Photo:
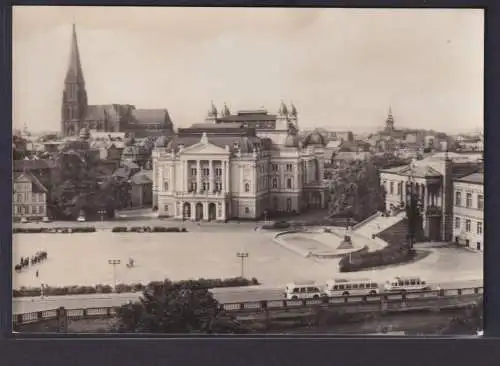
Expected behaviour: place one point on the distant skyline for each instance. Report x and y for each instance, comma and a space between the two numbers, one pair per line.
342, 68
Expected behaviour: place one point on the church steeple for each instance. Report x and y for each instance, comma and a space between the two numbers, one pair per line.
74, 103
389, 122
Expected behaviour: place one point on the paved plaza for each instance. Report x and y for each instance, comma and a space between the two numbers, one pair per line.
207, 251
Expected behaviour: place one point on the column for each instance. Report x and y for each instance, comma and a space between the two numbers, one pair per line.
211, 175
184, 175
193, 211
198, 176
226, 172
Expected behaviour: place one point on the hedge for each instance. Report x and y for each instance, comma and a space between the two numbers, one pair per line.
391, 254
148, 229
135, 287
53, 230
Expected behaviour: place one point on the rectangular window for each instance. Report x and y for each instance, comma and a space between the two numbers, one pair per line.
457, 222
275, 183
165, 186
165, 208
193, 171
468, 200
34, 197
398, 187
391, 187
458, 198
289, 167
467, 226
480, 228
480, 201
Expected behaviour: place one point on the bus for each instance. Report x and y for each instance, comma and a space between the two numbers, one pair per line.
346, 287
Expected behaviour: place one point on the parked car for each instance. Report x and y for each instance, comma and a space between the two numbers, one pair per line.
46, 219
81, 219
24, 220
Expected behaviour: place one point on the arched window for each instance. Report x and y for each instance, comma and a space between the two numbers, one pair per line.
247, 187
247, 210
275, 183
289, 183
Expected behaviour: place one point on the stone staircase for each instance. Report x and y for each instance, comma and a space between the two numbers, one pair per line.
379, 224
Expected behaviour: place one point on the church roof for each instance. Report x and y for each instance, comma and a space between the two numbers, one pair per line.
151, 116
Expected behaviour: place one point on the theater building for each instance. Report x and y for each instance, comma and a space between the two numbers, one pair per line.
246, 165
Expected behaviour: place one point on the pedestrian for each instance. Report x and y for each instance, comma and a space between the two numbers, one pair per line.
36, 273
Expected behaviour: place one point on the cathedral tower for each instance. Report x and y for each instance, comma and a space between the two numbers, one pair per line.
74, 100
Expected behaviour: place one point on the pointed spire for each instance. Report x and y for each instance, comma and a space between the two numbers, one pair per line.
74, 73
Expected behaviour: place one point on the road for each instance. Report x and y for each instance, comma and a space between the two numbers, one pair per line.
223, 295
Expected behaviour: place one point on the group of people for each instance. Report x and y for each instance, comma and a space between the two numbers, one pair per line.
26, 261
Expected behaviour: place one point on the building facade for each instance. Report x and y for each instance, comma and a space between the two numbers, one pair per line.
245, 166
77, 114
433, 179
29, 197
468, 211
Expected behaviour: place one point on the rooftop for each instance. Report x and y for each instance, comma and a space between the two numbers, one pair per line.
475, 178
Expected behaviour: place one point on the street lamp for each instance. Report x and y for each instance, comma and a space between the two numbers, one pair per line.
242, 256
114, 263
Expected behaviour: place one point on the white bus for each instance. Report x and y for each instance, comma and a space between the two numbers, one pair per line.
346, 287
406, 284
302, 290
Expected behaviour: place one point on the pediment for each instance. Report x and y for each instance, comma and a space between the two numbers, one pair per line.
204, 149
22, 178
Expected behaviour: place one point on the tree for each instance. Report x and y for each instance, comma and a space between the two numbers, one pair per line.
168, 307
355, 190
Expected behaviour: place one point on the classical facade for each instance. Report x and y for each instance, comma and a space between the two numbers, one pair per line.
76, 113
468, 211
29, 197
433, 179
239, 166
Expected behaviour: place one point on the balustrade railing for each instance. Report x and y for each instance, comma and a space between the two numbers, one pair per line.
380, 302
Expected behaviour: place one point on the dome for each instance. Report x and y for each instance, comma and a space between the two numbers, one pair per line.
315, 138
292, 141
84, 133
283, 111
161, 142
245, 145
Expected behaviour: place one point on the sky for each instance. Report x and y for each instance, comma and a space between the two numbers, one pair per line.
342, 68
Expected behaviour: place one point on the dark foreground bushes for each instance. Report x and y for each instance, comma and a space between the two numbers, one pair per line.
201, 283
148, 229
53, 230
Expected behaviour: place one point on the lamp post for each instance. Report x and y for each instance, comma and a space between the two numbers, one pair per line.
114, 263
242, 256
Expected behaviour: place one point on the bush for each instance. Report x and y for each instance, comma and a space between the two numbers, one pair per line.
148, 229
119, 229
53, 230
364, 259
277, 225
200, 283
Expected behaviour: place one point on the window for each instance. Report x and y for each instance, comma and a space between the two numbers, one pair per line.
480, 228
468, 200
165, 208
218, 172
289, 183
193, 171
457, 222
206, 186
206, 172
398, 187
165, 186
467, 226
480, 201
458, 198
289, 167
391, 187
289, 204
275, 183
19, 197
34, 197
247, 187
35, 209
